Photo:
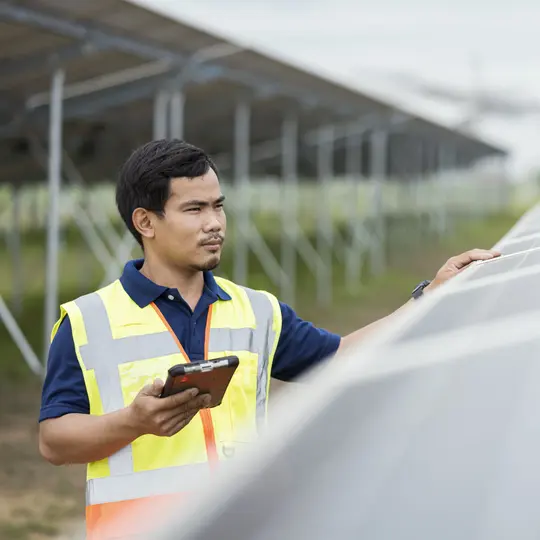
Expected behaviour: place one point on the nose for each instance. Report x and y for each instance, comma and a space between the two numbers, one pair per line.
213, 224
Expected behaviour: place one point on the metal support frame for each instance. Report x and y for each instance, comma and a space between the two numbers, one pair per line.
289, 215
242, 119
357, 232
272, 148
101, 245
18, 337
177, 114
96, 37
101, 222
80, 31
294, 242
170, 59
53, 229
325, 226
161, 108
446, 162
379, 149
45, 61
246, 235
17, 289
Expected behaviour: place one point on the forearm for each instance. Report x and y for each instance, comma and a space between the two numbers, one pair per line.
84, 438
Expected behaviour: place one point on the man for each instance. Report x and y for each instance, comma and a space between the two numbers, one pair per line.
110, 349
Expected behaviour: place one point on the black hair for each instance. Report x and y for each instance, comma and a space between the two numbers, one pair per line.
145, 178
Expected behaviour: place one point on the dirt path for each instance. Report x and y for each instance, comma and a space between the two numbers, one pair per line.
37, 501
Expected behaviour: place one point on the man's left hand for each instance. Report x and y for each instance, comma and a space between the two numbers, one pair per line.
457, 264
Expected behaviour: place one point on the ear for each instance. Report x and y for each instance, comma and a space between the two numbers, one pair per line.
143, 222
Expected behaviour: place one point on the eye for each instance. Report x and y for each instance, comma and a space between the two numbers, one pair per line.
194, 209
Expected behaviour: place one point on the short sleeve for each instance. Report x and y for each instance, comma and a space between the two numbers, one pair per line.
301, 346
64, 391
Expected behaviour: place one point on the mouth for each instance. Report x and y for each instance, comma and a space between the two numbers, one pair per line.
213, 245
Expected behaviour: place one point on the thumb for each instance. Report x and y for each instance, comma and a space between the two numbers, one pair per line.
153, 389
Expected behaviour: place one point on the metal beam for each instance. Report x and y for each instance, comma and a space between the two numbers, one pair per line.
242, 121
341, 131
104, 37
48, 60
20, 340
161, 108
53, 229
354, 254
17, 290
289, 217
325, 226
176, 128
379, 171
53, 22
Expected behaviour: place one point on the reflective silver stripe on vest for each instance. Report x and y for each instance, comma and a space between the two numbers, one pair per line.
169, 480
259, 340
263, 343
102, 350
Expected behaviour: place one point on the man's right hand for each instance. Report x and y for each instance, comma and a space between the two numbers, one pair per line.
152, 415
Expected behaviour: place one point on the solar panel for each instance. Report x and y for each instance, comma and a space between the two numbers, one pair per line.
527, 232
480, 305
505, 264
522, 245
446, 452
430, 429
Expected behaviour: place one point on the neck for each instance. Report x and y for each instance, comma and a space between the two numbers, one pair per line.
190, 283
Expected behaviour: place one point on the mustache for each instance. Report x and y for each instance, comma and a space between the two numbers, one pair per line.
212, 240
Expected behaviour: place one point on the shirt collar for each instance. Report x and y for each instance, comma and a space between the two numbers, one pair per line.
143, 291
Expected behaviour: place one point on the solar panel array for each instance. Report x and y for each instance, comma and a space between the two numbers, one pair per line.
429, 430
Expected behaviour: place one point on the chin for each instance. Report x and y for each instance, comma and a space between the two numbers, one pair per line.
209, 264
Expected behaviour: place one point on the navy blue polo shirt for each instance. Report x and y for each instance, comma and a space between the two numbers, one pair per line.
301, 345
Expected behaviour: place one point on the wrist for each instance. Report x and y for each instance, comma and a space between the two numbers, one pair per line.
130, 422
421, 288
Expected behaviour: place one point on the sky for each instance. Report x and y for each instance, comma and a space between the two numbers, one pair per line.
380, 46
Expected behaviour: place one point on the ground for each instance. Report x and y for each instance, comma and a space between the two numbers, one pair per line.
39, 501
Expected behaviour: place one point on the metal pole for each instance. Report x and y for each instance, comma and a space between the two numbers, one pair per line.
289, 217
161, 106
379, 144
54, 187
241, 180
325, 169
353, 159
177, 115
18, 337
17, 290
446, 165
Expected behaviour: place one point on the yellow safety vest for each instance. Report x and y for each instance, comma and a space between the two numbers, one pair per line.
122, 347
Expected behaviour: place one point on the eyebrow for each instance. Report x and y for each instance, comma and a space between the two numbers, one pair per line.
196, 202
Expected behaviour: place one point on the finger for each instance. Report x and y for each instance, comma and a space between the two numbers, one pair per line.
181, 398
463, 260
153, 389
198, 402
178, 422
192, 407
487, 253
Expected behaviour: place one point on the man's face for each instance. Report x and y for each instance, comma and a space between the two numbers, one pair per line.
192, 230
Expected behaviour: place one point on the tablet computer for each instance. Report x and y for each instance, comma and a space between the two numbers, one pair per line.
209, 377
